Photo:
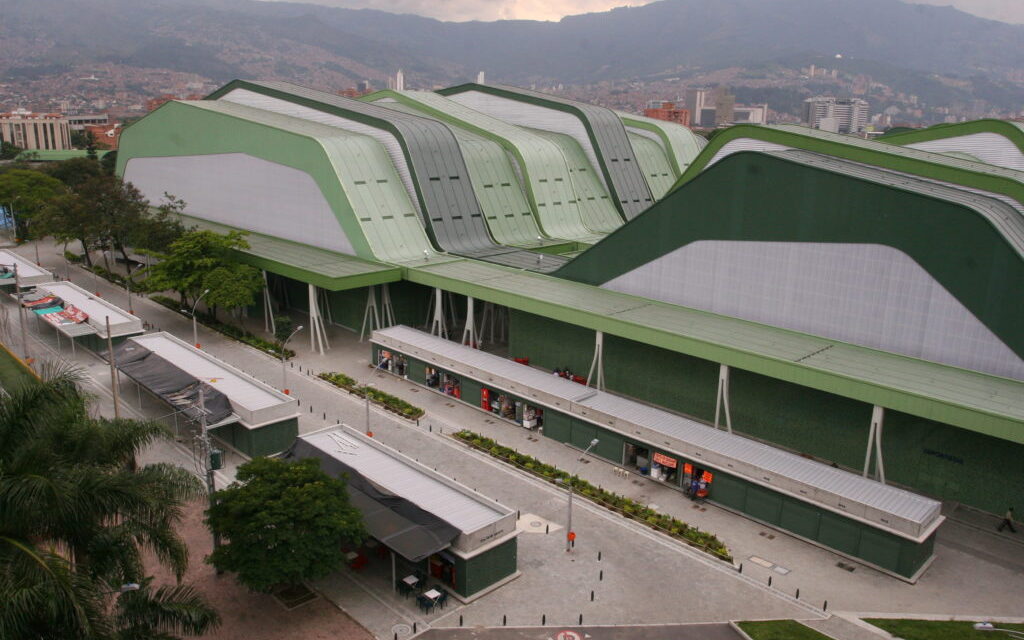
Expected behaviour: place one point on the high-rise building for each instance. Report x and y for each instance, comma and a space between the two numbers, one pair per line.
827, 113
27, 130
699, 102
400, 81
725, 104
665, 110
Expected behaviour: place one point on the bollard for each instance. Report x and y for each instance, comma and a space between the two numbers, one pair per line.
504, 621
517, 514
460, 619
547, 528
581, 618
741, 568
824, 607
769, 581
600, 576
544, 620
396, 636
599, 556
414, 627
591, 596
797, 594
311, 408
430, 428
325, 415
300, 403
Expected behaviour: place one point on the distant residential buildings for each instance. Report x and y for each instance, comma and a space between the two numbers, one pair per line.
105, 136
848, 115
154, 103
665, 110
750, 114
28, 130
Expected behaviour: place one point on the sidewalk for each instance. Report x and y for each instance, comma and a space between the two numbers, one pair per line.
648, 578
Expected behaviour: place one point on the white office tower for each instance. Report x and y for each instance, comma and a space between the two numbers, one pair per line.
839, 116
480, 78
399, 81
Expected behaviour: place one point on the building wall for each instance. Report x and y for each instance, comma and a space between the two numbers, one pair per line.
479, 572
35, 131
929, 457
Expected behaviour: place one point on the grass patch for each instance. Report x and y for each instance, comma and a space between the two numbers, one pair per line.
668, 525
780, 630
940, 629
13, 372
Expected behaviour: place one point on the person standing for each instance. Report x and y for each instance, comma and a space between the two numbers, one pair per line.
1007, 521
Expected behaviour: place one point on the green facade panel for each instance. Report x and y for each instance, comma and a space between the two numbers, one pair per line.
481, 571
557, 426
839, 533
261, 441
764, 504
800, 518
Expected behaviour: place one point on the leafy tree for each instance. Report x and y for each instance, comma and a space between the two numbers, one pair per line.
160, 227
26, 192
283, 326
190, 258
74, 172
69, 217
120, 207
76, 516
232, 286
109, 162
284, 522
90, 146
8, 151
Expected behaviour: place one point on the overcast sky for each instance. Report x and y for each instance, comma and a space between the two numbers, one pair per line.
1005, 10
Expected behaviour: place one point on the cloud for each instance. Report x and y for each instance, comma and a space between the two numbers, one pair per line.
462, 10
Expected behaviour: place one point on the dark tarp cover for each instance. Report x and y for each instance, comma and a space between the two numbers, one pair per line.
177, 388
410, 531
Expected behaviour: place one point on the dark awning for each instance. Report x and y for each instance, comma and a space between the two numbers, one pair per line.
175, 386
408, 530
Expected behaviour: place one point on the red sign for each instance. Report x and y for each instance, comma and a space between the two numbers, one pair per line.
485, 399
571, 536
665, 461
688, 469
707, 477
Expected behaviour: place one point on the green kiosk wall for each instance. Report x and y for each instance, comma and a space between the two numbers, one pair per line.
260, 441
930, 457
807, 520
475, 574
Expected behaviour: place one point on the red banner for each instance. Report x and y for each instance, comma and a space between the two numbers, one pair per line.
665, 461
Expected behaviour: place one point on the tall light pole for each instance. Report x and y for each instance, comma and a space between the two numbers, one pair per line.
195, 328
570, 535
988, 626
284, 371
366, 395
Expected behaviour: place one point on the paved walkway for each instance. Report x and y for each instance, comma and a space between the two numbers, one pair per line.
647, 577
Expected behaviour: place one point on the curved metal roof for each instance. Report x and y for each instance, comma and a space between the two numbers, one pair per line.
997, 142
654, 163
683, 144
607, 134
545, 174
452, 214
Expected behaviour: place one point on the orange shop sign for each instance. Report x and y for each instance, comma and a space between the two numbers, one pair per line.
665, 461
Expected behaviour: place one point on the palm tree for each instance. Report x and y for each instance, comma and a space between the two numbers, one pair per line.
76, 517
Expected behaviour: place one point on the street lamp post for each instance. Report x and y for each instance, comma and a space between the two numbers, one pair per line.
284, 371
366, 395
570, 535
988, 626
195, 328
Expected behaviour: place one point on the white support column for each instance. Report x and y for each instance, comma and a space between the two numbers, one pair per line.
875, 444
469, 333
437, 325
268, 312
325, 300
487, 321
723, 397
386, 309
597, 364
370, 315
317, 335
452, 314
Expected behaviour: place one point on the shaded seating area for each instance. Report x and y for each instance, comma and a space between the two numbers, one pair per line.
439, 537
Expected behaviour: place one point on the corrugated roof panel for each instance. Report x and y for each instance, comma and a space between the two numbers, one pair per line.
403, 477
687, 433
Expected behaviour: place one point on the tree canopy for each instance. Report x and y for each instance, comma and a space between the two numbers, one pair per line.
75, 518
27, 192
284, 522
200, 260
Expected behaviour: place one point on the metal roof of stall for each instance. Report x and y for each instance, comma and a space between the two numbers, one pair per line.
29, 273
122, 322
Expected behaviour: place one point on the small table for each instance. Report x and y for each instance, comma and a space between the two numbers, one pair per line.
433, 594
411, 580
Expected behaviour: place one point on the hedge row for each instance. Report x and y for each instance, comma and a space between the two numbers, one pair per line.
627, 507
386, 400
229, 330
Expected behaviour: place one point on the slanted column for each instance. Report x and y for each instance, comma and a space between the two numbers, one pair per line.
722, 398
386, 309
317, 333
268, 312
469, 333
370, 315
597, 364
437, 325
875, 444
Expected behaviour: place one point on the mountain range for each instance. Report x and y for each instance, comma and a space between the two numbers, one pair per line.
222, 39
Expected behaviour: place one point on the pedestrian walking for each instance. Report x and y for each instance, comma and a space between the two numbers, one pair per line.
1007, 521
